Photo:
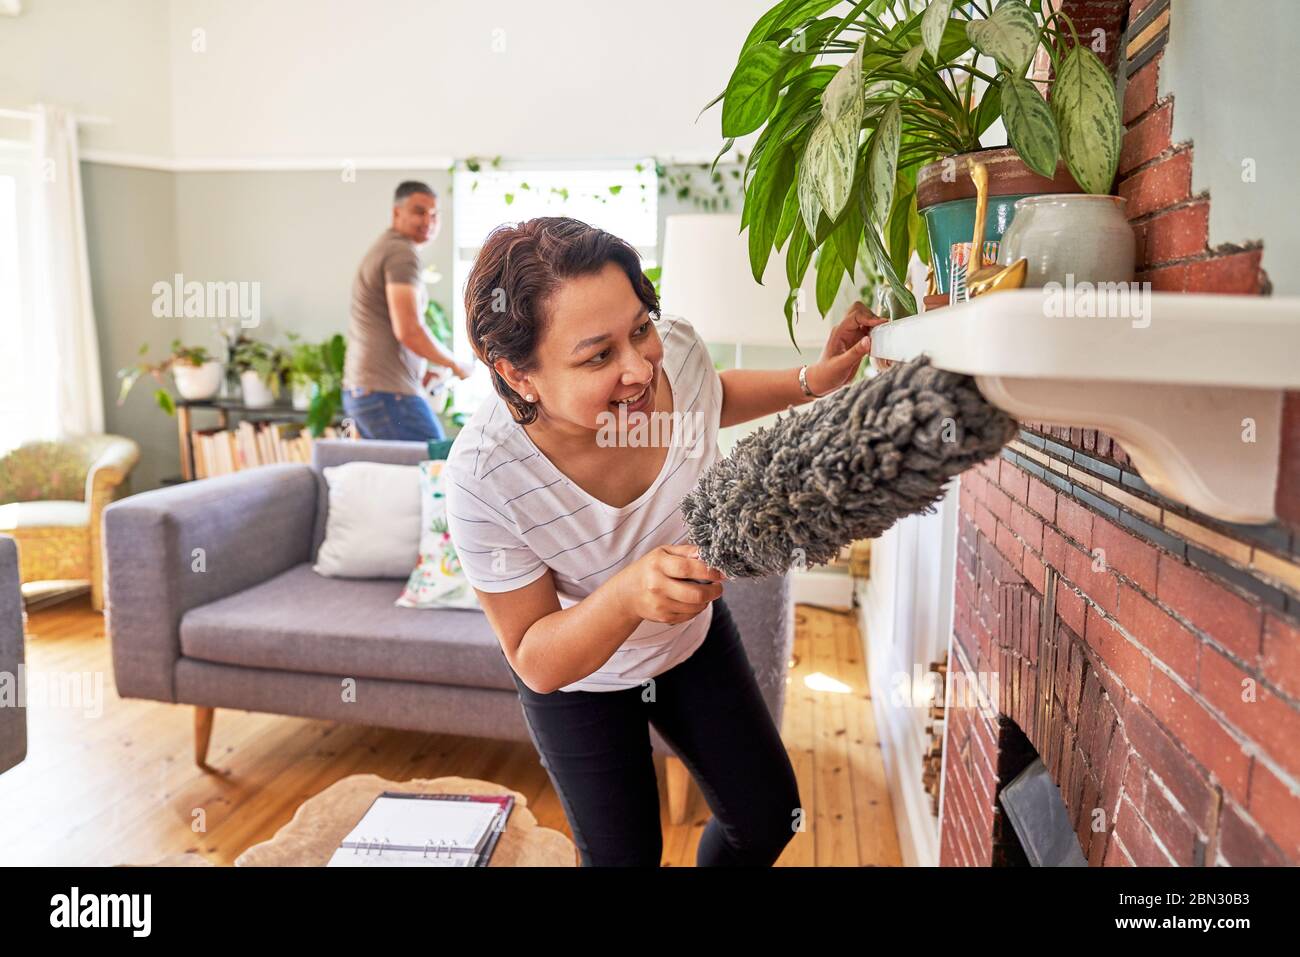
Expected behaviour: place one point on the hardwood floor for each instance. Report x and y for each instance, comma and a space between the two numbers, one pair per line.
109, 780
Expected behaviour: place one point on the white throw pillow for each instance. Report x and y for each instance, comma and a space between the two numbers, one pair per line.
372, 529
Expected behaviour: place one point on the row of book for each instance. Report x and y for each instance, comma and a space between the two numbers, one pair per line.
219, 451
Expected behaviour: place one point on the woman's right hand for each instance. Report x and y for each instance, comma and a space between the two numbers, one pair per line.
656, 586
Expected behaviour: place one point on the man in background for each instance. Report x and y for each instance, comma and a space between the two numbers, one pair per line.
383, 391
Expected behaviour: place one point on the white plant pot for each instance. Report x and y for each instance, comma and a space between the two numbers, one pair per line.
257, 394
1070, 238
302, 396
197, 382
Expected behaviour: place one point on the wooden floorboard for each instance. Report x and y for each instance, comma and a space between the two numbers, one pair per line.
121, 787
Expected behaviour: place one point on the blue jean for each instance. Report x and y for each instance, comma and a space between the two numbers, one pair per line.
392, 415
595, 746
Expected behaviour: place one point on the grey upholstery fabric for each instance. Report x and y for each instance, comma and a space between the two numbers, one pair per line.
172, 549
13, 720
302, 621
259, 630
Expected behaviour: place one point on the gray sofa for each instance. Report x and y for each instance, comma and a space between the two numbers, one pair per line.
13, 721
212, 602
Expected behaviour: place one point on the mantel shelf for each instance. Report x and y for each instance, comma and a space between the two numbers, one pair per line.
1192, 385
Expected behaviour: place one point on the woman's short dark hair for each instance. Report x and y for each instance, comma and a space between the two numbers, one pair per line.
518, 270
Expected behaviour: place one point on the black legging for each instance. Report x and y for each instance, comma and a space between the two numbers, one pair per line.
595, 746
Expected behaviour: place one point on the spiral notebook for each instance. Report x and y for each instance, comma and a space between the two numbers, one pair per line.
426, 830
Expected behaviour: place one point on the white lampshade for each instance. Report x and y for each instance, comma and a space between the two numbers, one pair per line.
707, 279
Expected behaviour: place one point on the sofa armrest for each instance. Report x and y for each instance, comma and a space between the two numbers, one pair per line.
13, 720
763, 609
105, 481
172, 549
110, 470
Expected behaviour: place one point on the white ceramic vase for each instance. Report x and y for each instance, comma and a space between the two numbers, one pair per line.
257, 394
197, 382
1080, 235
302, 396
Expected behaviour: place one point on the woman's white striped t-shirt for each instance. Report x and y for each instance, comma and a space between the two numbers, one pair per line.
512, 514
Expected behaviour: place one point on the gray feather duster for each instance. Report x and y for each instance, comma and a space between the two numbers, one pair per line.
844, 469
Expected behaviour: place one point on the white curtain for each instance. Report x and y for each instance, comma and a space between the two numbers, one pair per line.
63, 350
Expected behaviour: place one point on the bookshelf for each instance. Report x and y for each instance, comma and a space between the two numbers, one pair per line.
263, 435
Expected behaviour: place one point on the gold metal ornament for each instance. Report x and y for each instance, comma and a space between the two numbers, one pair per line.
983, 278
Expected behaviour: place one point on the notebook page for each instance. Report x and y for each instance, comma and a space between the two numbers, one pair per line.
414, 822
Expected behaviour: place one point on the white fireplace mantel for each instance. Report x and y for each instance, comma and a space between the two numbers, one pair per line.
1192, 385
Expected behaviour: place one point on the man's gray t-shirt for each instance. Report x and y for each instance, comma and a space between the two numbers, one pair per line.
375, 359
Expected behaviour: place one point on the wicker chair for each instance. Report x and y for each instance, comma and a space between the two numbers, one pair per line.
52, 497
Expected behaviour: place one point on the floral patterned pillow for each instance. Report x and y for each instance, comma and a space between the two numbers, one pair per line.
437, 581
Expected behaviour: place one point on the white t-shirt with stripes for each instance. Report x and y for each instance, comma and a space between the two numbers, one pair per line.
511, 513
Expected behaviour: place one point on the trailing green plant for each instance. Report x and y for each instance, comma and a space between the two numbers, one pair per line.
683, 182
320, 366
835, 164
180, 354
327, 399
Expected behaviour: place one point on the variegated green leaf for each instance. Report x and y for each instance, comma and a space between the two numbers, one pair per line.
1087, 115
770, 188
828, 164
933, 24
810, 205
875, 91
882, 162
830, 275
912, 58
1009, 36
753, 89
843, 94
787, 13
1030, 127
836, 180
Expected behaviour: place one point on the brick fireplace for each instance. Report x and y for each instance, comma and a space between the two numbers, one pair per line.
1149, 654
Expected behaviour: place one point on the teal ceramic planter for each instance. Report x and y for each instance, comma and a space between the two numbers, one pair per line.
954, 222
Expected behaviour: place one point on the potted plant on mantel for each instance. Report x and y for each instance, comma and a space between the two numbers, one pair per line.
196, 373
855, 153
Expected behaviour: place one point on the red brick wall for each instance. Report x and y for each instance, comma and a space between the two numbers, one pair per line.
1149, 654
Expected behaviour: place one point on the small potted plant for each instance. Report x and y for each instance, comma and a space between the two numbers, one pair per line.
327, 394
261, 367
197, 375
306, 369
874, 149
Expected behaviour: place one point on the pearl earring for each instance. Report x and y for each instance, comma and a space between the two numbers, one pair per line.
529, 397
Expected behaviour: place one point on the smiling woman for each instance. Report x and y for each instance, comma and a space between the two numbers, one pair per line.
577, 546
574, 546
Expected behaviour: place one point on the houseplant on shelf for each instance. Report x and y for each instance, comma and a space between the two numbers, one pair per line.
196, 373
847, 153
306, 367
261, 367
327, 396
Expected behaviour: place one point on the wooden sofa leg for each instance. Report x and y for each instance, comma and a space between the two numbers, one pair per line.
679, 784
202, 733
